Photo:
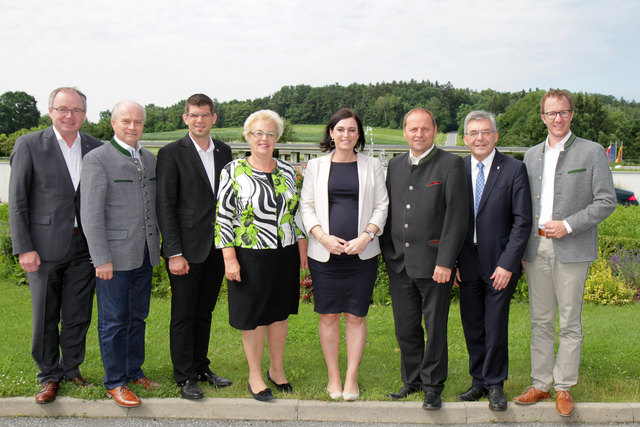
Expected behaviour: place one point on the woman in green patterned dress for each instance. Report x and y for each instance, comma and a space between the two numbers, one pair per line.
260, 233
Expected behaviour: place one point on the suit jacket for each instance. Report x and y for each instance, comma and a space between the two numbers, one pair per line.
428, 218
186, 204
584, 196
43, 203
372, 202
119, 208
503, 221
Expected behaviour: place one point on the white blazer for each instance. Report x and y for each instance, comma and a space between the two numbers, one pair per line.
373, 202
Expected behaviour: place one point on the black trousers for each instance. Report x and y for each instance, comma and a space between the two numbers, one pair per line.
61, 302
485, 321
413, 300
193, 298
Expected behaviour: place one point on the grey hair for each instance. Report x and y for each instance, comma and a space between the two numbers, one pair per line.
480, 115
114, 110
266, 115
67, 89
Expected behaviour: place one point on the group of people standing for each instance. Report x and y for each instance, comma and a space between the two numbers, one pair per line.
437, 218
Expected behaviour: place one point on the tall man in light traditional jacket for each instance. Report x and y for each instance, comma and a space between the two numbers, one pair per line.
118, 203
571, 193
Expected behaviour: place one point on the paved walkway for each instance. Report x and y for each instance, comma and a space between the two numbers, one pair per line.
312, 410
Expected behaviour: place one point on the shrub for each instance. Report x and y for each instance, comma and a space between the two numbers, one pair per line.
160, 286
626, 264
381, 291
605, 288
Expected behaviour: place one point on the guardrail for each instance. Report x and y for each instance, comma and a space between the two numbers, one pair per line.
303, 152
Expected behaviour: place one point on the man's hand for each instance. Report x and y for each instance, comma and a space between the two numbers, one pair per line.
29, 261
555, 229
105, 271
178, 265
441, 274
501, 278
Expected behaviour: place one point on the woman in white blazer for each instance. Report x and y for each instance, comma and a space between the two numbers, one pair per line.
344, 208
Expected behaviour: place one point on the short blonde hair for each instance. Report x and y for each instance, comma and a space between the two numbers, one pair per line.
266, 115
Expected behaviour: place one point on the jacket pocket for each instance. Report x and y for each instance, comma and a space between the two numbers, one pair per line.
40, 219
577, 170
116, 234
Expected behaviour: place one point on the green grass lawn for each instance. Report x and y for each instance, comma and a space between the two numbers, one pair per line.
305, 133
610, 370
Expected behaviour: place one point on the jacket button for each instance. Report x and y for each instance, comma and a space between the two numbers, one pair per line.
411, 187
406, 245
406, 226
408, 206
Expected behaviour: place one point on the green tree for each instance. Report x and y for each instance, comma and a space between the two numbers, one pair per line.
17, 111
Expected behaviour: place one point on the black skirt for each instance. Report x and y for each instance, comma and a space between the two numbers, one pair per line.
270, 288
344, 284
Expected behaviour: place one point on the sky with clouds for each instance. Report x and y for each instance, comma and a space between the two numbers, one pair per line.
160, 52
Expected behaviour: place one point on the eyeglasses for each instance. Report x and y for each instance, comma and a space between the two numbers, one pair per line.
64, 111
196, 115
552, 114
483, 132
260, 133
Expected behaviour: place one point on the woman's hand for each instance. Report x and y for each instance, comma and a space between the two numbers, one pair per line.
231, 264
357, 245
335, 245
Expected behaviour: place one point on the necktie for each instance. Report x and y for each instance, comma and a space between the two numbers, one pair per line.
479, 187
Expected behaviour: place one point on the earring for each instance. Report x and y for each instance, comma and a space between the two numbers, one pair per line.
332, 143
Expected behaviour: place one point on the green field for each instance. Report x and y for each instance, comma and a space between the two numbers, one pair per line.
304, 133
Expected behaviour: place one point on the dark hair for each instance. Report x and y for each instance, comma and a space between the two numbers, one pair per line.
343, 113
198, 100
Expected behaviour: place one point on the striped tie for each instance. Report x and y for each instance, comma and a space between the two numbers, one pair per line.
479, 187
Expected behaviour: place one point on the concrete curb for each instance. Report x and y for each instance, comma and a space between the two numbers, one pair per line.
312, 410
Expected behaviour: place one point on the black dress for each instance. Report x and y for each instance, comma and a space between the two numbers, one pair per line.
344, 284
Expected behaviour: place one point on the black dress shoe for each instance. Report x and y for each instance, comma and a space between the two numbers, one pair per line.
473, 394
190, 390
497, 399
405, 391
432, 401
214, 379
263, 396
285, 387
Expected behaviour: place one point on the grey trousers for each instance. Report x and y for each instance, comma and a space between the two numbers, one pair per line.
552, 285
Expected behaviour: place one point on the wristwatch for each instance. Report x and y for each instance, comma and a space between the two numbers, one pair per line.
370, 233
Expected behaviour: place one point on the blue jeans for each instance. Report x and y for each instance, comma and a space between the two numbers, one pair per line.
123, 306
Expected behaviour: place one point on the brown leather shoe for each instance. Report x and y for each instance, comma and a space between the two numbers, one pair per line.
531, 396
564, 403
124, 397
47, 392
146, 383
80, 382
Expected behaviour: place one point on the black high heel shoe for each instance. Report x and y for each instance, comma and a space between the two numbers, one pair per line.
286, 387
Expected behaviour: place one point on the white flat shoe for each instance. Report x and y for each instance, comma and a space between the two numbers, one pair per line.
336, 395
350, 397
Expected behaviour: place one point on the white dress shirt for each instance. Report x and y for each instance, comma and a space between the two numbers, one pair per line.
135, 152
487, 162
416, 160
549, 164
206, 156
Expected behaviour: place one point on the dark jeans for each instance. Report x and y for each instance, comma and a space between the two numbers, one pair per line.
123, 306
